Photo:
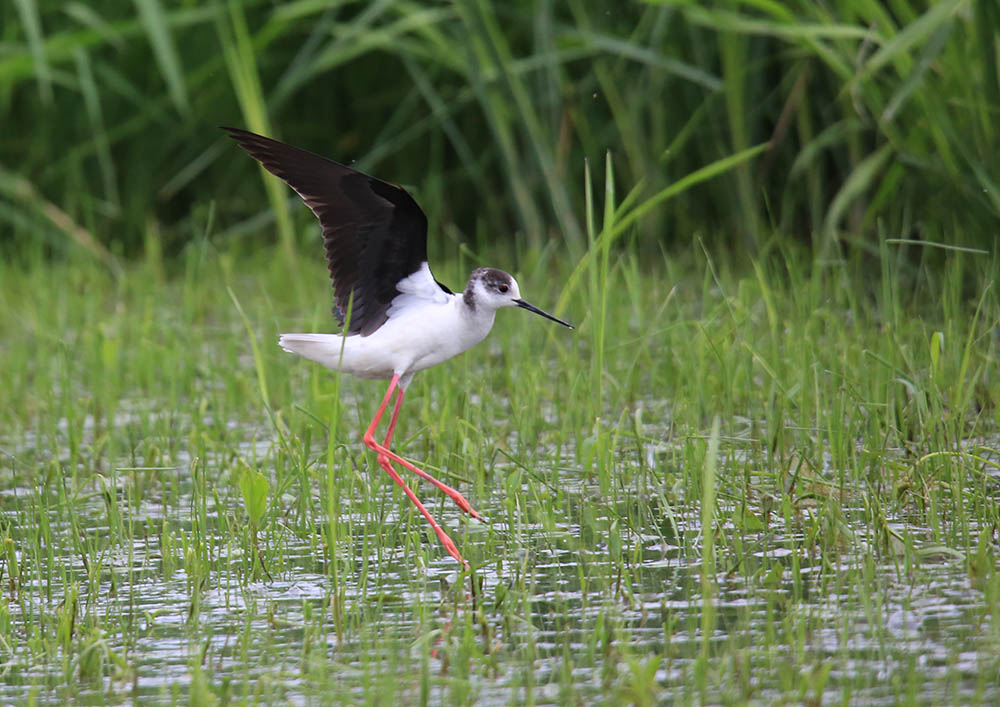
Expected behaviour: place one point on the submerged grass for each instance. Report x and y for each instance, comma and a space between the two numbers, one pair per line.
772, 481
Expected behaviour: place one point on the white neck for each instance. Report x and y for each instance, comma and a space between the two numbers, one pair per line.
477, 319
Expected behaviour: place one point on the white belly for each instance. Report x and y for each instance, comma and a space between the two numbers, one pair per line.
411, 340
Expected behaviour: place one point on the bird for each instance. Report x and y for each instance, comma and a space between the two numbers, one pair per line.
396, 319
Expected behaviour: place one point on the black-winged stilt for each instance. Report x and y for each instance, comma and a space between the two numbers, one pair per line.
402, 320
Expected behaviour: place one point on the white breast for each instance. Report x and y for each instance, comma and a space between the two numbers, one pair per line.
418, 334
417, 337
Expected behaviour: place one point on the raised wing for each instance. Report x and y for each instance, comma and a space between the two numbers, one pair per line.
374, 232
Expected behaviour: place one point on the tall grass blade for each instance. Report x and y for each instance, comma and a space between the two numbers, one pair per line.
154, 22
855, 187
708, 586
255, 347
32, 23
897, 49
92, 101
623, 221
238, 50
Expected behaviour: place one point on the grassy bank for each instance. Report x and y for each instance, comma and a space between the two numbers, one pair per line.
734, 481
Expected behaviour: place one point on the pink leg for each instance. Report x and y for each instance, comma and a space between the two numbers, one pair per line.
384, 455
453, 494
395, 414
383, 460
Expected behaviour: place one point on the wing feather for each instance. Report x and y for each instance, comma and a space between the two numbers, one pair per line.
374, 233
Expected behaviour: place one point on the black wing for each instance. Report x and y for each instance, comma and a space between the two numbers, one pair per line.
374, 232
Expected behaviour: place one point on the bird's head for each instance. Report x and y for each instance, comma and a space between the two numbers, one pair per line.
492, 289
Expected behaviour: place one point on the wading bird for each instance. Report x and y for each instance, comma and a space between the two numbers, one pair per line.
396, 318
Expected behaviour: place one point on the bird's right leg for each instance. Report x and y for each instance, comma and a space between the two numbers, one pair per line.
392, 420
453, 494
384, 455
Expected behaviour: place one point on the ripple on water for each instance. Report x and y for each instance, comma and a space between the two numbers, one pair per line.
649, 600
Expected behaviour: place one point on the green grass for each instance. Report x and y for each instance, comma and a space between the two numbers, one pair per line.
880, 120
188, 513
763, 469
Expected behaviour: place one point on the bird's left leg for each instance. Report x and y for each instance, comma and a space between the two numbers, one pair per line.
384, 453
384, 456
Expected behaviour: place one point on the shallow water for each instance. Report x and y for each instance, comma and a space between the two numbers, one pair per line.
572, 606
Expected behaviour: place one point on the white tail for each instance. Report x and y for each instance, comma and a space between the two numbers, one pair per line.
322, 348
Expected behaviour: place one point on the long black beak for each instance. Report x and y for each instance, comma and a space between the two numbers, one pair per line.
532, 308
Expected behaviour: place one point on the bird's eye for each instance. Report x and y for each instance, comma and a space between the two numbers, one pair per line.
503, 288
